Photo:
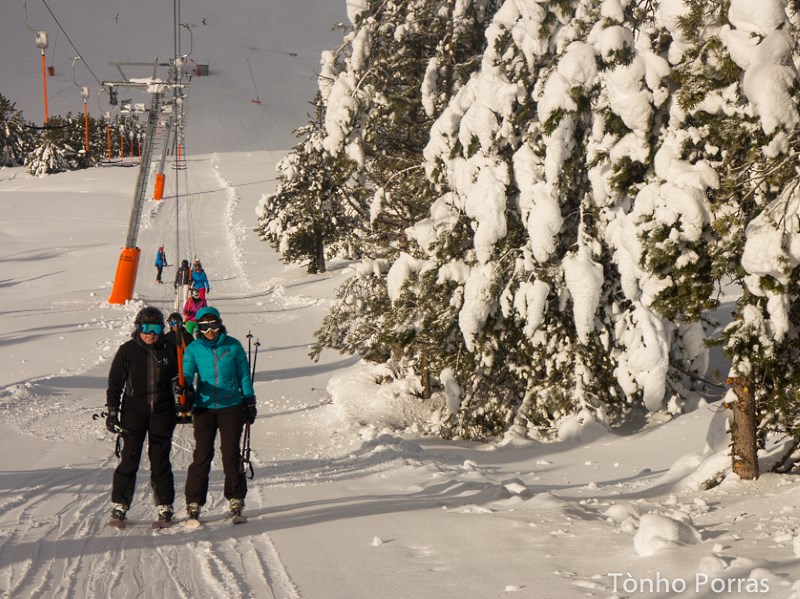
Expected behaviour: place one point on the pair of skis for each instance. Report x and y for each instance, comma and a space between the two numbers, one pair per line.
190, 524
122, 524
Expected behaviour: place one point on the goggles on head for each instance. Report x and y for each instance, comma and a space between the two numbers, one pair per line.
209, 325
151, 329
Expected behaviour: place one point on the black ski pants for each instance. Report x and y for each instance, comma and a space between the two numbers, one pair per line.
230, 423
158, 428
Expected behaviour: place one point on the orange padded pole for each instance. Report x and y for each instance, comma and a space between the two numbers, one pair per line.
125, 279
158, 193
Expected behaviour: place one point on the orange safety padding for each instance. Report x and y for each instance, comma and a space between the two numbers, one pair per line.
125, 279
158, 192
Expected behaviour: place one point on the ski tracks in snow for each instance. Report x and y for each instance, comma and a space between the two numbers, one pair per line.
54, 541
49, 530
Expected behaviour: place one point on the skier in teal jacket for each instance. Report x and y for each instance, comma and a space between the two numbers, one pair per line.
223, 400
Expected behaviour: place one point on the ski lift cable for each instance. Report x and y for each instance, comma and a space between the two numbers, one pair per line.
68, 39
53, 53
25, 13
189, 230
74, 60
185, 234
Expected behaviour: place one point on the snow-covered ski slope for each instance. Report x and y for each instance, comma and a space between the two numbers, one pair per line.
342, 506
58, 336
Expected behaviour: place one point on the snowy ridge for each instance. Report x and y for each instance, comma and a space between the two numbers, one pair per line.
235, 231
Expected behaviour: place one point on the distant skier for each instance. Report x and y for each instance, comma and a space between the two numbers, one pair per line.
190, 308
140, 404
183, 278
199, 279
178, 334
224, 400
161, 262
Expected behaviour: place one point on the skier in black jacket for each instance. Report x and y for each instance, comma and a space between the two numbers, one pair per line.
140, 403
177, 333
183, 279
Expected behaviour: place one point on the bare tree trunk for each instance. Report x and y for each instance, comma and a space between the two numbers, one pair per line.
317, 263
425, 376
744, 452
319, 252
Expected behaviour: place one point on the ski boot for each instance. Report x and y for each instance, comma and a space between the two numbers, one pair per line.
193, 511
165, 515
119, 512
236, 507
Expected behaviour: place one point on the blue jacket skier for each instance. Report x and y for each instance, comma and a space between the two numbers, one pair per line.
224, 401
161, 262
200, 279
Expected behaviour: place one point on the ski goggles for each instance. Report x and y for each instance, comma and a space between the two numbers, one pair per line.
208, 325
151, 329
174, 323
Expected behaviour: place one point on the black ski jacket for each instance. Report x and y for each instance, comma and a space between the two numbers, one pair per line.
141, 376
183, 276
186, 336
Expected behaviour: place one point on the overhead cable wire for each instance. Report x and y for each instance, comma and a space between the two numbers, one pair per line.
83, 60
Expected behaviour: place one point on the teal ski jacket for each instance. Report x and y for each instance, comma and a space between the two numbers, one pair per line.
223, 374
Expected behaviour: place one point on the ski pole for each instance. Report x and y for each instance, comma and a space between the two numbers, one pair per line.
120, 433
247, 465
118, 445
255, 357
249, 337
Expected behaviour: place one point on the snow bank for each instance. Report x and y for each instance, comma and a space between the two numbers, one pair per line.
658, 532
367, 395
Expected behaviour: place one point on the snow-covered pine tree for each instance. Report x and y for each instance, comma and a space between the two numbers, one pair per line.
69, 134
12, 134
46, 158
525, 229
398, 68
307, 216
61, 145
51, 150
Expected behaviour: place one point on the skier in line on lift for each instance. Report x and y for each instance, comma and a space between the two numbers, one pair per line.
161, 262
190, 308
139, 404
200, 279
177, 332
183, 278
224, 400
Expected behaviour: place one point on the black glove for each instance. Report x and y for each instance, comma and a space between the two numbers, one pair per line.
186, 406
112, 421
250, 410
187, 391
